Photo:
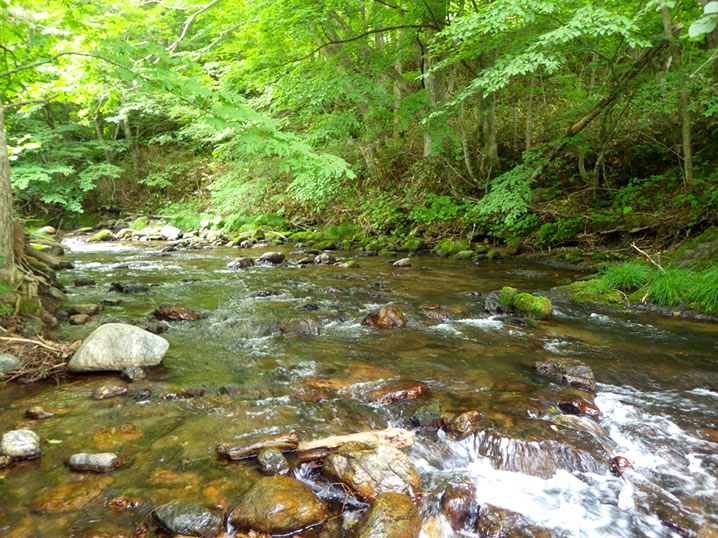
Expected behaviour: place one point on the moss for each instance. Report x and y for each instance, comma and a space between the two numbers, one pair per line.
506, 297
84, 229
345, 230
536, 306
327, 244
575, 256
258, 235
592, 292
493, 254
302, 236
512, 248
140, 223
481, 249
464, 255
387, 252
412, 244
102, 235
448, 247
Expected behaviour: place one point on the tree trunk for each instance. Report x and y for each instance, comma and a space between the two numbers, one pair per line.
683, 99
7, 225
131, 146
529, 113
100, 132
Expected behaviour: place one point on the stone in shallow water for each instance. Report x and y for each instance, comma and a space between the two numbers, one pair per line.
271, 461
271, 257
188, 520
387, 318
402, 390
458, 504
116, 346
37, 412
108, 391
404, 262
173, 312
241, 263
20, 445
131, 286
369, 470
133, 373
391, 515
463, 425
497, 522
278, 505
96, 463
567, 370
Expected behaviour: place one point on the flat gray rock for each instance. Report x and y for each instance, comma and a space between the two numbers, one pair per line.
116, 346
20, 444
96, 463
8, 363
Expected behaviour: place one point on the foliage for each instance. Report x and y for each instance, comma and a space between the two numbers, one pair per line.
627, 276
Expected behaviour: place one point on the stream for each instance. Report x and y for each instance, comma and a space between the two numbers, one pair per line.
234, 374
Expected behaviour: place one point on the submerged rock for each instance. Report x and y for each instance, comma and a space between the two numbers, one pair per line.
458, 504
37, 412
369, 470
463, 425
495, 522
301, 327
404, 262
574, 405
241, 263
95, 463
173, 312
20, 445
116, 346
79, 319
402, 390
108, 391
387, 318
325, 259
567, 370
278, 505
392, 515
188, 520
133, 373
131, 286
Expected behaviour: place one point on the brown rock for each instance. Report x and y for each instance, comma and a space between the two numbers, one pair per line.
387, 318
463, 425
567, 370
87, 309
404, 262
108, 391
458, 504
79, 319
403, 390
575, 405
278, 505
369, 470
37, 412
115, 435
71, 495
392, 515
497, 522
172, 312
618, 464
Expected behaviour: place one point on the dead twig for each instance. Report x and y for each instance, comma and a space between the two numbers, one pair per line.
644, 253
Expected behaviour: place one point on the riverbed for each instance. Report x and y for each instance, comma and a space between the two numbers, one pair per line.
246, 369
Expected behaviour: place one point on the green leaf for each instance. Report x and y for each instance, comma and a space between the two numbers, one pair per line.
702, 26
711, 8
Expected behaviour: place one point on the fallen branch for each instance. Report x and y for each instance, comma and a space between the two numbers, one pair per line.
38, 342
286, 441
396, 437
643, 252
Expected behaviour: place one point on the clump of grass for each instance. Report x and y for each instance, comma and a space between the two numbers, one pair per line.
671, 287
705, 290
627, 276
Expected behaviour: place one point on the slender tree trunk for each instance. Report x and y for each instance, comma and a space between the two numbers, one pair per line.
7, 224
131, 146
529, 113
100, 132
682, 101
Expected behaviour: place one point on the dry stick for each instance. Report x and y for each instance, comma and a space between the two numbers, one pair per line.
649, 257
28, 341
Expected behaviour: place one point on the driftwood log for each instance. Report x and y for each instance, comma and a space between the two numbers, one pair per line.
317, 449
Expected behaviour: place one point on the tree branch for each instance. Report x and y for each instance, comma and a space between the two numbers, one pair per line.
355, 38
56, 56
31, 102
187, 25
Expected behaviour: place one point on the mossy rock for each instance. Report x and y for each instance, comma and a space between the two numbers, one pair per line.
347, 244
326, 245
587, 292
387, 252
536, 306
102, 235
345, 230
84, 229
506, 297
512, 248
302, 236
374, 245
412, 244
481, 249
277, 242
575, 257
464, 255
258, 235
249, 227
493, 254
140, 223
448, 247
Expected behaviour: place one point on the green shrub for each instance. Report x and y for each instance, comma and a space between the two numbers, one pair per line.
670, 287
705, 291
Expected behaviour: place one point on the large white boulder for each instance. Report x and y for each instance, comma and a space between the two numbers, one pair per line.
20, 444
116, 346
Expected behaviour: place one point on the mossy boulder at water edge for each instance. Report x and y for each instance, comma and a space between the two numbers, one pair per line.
391, 515
448, 247
506, 296
536, 306
412, 244
102, 235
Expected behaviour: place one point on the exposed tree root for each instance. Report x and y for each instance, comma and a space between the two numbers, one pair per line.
40, 359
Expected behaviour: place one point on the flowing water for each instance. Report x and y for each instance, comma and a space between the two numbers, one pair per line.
237, 375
